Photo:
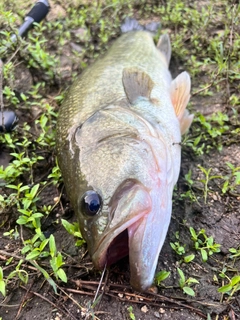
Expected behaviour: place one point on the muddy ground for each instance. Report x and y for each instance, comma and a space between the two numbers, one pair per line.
219, 217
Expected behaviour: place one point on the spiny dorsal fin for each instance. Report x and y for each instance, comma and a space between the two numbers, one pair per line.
164, 45
180, 94
136, 84
131, 24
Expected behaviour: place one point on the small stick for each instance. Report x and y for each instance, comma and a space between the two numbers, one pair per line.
100, 283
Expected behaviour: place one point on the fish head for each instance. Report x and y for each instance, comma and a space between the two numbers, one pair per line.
124, 201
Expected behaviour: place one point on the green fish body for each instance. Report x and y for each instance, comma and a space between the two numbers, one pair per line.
118, 147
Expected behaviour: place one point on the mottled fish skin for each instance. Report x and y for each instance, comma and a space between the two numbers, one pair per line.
119, 133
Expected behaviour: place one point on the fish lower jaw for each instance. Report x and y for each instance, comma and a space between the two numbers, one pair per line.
118, 247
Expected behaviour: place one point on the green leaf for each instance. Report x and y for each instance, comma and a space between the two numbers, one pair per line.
59, 261
25, 212
35, 238
43, 244
34, 191
52, 246
189, 291
23, 276
62, 275
193, 233
162, 275
189, 258
204, 255
192, 280
230, 165
24, 188
44, 254
68, 226
33, 255
11, 275
225, 187
237, 180
235, 280
79, 243
3, 288
210, 241
37, 215
22, 220
12, 186
53, 264
182, 277
209, 317
226, 288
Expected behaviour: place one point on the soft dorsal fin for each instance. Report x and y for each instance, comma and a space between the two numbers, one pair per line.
180, 94
186, 122
164, 46
136, 84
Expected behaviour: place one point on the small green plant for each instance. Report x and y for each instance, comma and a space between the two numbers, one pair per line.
73, 229
35, 247
195, 143
20, 273
176, 246
12, 234
232, 180
204, 244
55, 176
130, 313
180, 249
209, 133
161, 276
205, 181
189, 194
186, 283
235, 253
56, 260
233, 284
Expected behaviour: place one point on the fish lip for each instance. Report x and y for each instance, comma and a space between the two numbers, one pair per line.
99, 256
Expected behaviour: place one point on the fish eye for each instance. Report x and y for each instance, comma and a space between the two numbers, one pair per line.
90, 203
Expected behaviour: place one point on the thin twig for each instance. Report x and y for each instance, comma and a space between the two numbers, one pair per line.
24, 299
69, 297
142, 299
100, 283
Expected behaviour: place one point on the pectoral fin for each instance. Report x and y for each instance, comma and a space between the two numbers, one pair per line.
136, 84
180, 94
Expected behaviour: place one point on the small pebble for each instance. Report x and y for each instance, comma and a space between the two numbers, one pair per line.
161, 310
144, 309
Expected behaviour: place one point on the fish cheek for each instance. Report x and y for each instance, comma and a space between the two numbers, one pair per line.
76, 184
92, 227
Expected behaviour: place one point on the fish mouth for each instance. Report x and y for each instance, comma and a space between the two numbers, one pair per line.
138, 227
115, 244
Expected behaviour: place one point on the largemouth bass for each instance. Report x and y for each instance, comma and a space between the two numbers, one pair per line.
118, 147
